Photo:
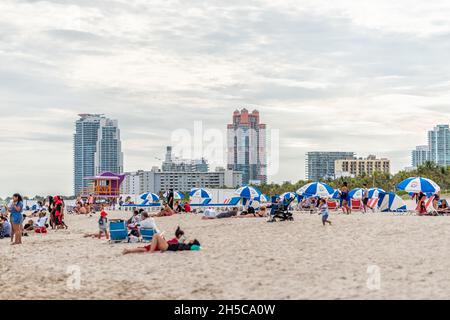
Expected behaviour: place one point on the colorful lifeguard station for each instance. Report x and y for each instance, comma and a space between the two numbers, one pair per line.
104, 186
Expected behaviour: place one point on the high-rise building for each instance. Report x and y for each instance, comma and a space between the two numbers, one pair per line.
109, 156
321, 165
97, 148
247, 146
439, 145
359, 167
420, 156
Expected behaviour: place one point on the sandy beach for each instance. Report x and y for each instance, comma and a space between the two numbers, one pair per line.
240, 259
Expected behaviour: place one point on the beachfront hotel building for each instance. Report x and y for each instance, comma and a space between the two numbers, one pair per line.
97, 148
439, 145
157, 180
419, 156
247, 146
172, 163
360, 167
321, 165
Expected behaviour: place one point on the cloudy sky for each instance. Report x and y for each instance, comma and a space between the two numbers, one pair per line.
365, 76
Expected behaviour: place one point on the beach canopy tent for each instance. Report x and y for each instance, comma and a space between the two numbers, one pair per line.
390, 202
419, 184
248, 192
376, 193
200, 193
316, 189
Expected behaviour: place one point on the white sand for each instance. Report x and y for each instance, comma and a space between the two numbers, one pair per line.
241, 259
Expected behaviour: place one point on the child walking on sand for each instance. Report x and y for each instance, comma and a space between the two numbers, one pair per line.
324, 212
103, 224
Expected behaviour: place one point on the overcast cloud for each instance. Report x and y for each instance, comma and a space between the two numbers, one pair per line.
363, 76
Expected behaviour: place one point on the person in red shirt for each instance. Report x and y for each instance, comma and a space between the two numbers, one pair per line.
187, 207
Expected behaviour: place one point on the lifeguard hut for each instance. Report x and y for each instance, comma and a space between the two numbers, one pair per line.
105, 186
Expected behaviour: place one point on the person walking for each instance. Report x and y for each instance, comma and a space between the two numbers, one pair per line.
16, 218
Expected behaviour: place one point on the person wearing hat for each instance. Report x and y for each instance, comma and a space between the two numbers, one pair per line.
103, 224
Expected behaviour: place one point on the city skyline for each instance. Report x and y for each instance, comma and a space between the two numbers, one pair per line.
330, 77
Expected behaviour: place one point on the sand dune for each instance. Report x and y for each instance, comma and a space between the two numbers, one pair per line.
241, 259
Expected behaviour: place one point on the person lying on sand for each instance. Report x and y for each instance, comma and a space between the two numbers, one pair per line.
162, 245
254, 214
223, 215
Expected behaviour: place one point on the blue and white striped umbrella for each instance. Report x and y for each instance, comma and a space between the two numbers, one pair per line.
376, 193
248, 192
418, 184
336, 194
288, 196
316, 189
177, 195
149, 197
263, 198
356, 194
200, 193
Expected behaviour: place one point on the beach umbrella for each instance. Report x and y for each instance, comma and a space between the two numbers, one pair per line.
149, 197
177, 195
419, 184
390, 202
263, 198
200, 193
375, 193
248, 192
357, 194
316, 189
288, 196
336, 195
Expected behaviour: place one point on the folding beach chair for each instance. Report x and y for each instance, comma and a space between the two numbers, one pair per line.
431, 210
118, 231
356, 204
332, 205
147, 234
373, 203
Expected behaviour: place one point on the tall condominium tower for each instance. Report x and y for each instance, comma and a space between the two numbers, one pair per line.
439, 145
97, 148
247, 146
420, 156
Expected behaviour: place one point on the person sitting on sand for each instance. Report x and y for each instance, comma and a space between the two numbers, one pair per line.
147, 222
187, 207
262, 213
162, 245
29, 226
323, 207
165, 212
5, 228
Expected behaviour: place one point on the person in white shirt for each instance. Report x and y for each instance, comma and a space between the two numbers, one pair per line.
147, 222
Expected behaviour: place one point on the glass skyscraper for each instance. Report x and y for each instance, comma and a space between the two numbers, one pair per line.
97, 148
439, 145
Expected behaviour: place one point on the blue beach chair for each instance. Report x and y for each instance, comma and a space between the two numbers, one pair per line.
118, 231
147, 234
